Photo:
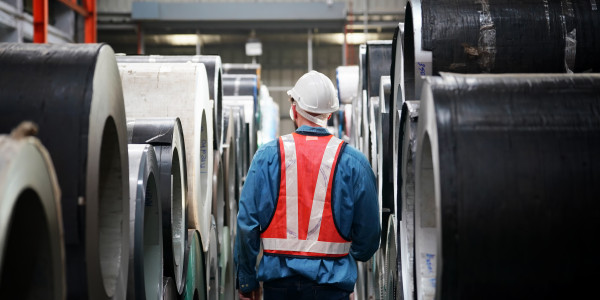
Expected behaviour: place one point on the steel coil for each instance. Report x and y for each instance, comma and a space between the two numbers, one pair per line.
358, 134
406, 198
248, 69
145, 225
239, 86
392, 288
212, 263
226, 259
74, 94
174, 90
360, 289
379, 58
32, 262
169, 289
212, 64
374, 129
245, 126
166, 136
479, 37
385, 150
507, 187
218, 206
376, 275
194, 271
347, 81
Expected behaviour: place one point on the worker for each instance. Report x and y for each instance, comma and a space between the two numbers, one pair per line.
310, 201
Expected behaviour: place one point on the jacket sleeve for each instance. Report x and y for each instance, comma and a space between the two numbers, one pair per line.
247, 244
365, 232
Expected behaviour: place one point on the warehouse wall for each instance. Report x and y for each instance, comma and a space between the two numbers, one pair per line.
357, 6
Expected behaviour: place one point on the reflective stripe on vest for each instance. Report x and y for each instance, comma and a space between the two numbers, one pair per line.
303, 220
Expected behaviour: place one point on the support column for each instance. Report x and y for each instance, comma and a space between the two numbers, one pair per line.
198, 43
40, 21
141, 45
90, 22
310, 51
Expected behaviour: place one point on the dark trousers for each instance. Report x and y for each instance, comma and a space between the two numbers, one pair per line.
298, 287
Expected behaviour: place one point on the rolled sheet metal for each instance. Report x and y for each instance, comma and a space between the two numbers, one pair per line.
360, 289
407, 153
376, 275
218, 206
248, 69
246, 127
212, 261
379, 58
236, 86
357, 115
479, 37
347, 81
228, 290
175, 90
385, 150
393, 283
169, 289
397, 69
214, 73
73, 93
194, 274
507, 189
374, 123
145, 279
166, 136
32, 255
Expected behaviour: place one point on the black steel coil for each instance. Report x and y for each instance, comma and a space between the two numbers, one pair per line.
73, 93
500, 36
166, 136
507, 185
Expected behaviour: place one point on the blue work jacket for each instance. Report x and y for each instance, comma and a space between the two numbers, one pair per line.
355, 209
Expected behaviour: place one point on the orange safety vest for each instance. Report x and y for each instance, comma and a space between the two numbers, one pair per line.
302, 224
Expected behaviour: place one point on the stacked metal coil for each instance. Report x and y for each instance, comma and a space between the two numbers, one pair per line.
242, 88
32, 263
146, 88
77, 102
194, 271
479, 37
214, 73
145, 225
510, 168
166, 137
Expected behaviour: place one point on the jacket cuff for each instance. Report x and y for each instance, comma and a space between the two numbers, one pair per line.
247, 284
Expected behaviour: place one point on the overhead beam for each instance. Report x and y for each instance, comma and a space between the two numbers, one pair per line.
238, 12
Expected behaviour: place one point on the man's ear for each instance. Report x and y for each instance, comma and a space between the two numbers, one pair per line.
295, 112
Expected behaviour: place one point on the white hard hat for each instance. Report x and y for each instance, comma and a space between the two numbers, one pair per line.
315, 93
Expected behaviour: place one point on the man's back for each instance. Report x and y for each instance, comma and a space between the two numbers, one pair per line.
354, 210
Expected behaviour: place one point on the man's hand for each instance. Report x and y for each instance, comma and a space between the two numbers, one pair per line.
253, 295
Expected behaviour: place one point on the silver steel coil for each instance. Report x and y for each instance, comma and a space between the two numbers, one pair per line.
347, 81
241, 89
175, 90
73, 93
228, 290
218, 205
145, 224
214, 73
32, 255
392, 288
194, 271
169, 289
385, 150
212, 261
507, 174
166, 136
242, 128
409, 117
360, 107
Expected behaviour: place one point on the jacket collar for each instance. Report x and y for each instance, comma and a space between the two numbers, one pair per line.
313, 131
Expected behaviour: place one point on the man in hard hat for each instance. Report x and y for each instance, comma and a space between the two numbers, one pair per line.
310, 200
